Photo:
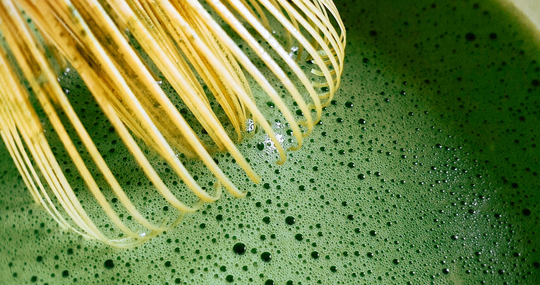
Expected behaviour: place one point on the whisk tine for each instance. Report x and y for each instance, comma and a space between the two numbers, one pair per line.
198, 58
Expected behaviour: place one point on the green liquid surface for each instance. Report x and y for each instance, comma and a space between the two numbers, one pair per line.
424, 171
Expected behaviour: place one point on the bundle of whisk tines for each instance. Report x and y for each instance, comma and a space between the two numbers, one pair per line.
210, 52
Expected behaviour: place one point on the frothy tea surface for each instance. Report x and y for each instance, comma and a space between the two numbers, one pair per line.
424, 170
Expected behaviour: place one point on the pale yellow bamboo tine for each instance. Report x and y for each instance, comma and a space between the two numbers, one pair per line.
222, 36
94, 153
49, 172
141, 159
56, 216
295, 24
178, 143
15, 140
123, 133
320, 73
292, 64
77, 160
58, 173
67, 191
326, 28
316, 8
211, 43
101, 165
309, 28
260, 13
210, 163
229, 103
339, 39
206, 74
250, 67
135, 127
182, 24
20, 157
267, 35
214, 123
121, 244
134, 104
155, 29
183, 126
316, 56
276, 70
8, 131
229, 63
258, 49
319, 84
318, 25
14, 152
153, 175
242, 81
330, 5
287, 34
187, 73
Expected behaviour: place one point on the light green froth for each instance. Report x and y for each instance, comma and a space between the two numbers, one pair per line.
451, 173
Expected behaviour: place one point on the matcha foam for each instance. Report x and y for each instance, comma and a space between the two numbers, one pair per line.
424, 170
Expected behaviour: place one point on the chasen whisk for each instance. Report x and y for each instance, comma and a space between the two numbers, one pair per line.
194, 46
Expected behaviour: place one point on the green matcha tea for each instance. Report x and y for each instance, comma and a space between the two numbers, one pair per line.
423, 170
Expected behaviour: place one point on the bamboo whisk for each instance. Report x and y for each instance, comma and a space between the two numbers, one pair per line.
187, 42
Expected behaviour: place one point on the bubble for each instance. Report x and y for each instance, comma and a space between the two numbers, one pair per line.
239, 248
470, 37
266, 256
290, 220
109, 264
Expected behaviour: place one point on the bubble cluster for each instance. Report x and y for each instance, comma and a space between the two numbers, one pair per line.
422, 171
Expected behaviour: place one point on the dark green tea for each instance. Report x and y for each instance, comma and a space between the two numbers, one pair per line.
424, 169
